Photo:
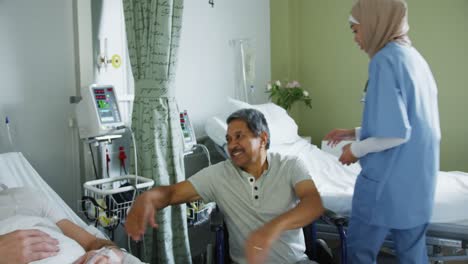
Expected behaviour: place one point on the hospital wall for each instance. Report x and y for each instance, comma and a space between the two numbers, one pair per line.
208, 62
312, 42
37, 75
206, 71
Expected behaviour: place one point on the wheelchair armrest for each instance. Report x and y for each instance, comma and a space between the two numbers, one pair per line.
333, 218
216, 221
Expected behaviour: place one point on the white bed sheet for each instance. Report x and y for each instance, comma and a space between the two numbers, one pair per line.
70, 250
335, 183
16, 171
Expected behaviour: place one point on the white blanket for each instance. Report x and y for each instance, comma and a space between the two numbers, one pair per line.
70, 250
16, 171
336, 183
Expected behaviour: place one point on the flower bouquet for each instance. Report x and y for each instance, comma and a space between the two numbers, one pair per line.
286, 96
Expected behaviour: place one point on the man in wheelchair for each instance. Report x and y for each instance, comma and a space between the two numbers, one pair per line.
265, 197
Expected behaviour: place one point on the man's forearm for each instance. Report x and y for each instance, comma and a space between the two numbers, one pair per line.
164, 196
160, 197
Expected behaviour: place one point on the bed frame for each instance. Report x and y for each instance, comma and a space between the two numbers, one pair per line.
444, 242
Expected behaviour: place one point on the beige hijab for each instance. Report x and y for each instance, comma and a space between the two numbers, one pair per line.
381, 21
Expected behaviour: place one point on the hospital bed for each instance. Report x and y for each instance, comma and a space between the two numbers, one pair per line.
16, 171
447, 236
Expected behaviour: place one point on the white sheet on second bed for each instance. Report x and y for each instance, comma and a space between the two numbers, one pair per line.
336, 183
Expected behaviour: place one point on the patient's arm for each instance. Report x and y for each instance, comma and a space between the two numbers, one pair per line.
83, 237
307, 210
24, 246
145, 206
89, 242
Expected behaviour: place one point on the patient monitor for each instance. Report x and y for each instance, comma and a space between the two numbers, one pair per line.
98, 112
188, 132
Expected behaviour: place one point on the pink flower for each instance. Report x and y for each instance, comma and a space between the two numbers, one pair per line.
295, 84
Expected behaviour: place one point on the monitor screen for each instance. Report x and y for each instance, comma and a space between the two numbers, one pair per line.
106, 105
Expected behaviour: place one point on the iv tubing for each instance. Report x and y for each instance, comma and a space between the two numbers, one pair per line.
7, 122
9, 135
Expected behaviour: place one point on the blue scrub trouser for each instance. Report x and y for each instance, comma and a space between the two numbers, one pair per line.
364, 242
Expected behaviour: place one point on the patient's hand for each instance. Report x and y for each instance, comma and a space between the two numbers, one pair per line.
24, 246
101, 256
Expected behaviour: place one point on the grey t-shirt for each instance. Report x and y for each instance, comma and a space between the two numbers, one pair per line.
248, 204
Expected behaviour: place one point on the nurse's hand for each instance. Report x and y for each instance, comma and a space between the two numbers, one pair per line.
347, 157
141, 214
24, 246
337, 135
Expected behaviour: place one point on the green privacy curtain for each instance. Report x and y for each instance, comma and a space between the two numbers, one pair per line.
153, 31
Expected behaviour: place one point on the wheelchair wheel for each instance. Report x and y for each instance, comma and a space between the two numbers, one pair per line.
324, 253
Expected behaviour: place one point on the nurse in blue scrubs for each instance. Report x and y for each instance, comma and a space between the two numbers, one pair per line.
398, 141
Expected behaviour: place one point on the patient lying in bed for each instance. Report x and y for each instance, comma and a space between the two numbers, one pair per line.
33, 230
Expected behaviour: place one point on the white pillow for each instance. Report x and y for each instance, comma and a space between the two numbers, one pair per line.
282, 127
216, 129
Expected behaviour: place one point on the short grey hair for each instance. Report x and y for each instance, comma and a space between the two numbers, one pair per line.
255, 121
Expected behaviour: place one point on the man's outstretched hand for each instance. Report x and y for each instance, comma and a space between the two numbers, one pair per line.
140, 215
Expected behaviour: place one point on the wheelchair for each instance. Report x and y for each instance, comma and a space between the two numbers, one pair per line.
315, 248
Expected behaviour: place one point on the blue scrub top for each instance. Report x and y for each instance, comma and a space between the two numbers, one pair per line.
396, 186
